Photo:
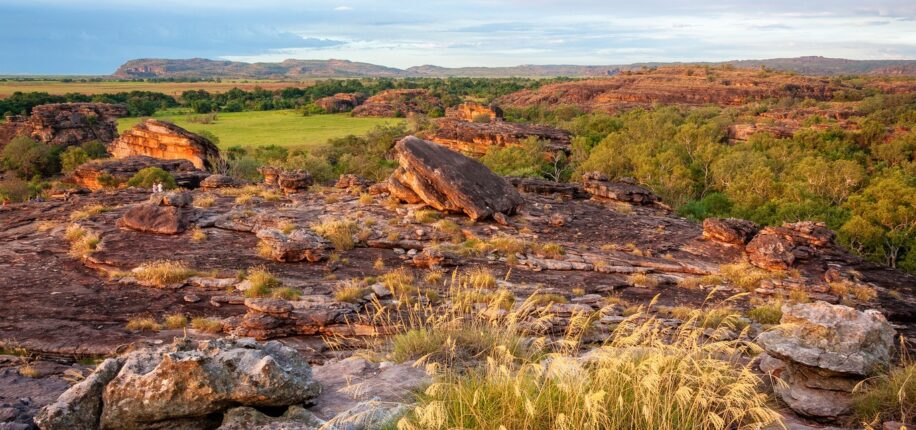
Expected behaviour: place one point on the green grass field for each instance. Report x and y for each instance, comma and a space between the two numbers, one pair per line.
280, 127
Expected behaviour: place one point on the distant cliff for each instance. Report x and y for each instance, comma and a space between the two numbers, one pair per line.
299, 69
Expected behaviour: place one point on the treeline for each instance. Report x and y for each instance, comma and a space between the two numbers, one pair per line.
861, 183
139, 103
145, 103
451, 91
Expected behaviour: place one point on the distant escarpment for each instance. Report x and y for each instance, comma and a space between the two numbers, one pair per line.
296, 69
65, 124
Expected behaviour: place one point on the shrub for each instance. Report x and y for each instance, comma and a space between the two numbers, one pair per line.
147, 177
94, 149
163, 272
72, 157
29, 158
207, 325
14, 190
481, 118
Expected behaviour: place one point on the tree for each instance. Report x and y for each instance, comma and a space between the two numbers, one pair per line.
29, 158
72, 158
883, 221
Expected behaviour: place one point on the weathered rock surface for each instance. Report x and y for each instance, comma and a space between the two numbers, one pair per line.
391, 384
294, 181
729, 230
349, 180
368, 415
598, 185
471, 111
449, 181
340, 102
184, 383
778, 248
545, 187
65, 124
298, 245
164, 214
100, 174
248, 418
213, 182
160, 139
478, 138
80, 407
398, 103
821, 352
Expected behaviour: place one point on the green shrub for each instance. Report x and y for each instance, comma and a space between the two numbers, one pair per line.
29, 158
72, 158
95, 149
151, 175
14, 190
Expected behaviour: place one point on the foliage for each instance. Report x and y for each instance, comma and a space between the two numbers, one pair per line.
148, 176
28, 158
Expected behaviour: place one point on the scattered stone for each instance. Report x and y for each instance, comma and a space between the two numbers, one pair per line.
729, 230
156, 219
213, 182
271, 175
777, 248
191, 298
178, 199
449, 181
625, 190
434, 257
558, 219
350, 180
160, 139
566, 190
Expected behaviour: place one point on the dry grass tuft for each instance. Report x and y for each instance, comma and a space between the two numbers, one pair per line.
163, 272
262, 282
366, 199
339, 232
745, 276
198, 235
427, 216
29, 371
350, 292
553, 250
143, 324
175, 321
87, 212
82, 241
204, 201
286, 293
544, 299
207, 325
766, 314
643, 280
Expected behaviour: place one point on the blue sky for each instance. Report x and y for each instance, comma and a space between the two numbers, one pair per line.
94, 37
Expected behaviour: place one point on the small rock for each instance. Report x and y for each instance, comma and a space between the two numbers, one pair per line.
191, 298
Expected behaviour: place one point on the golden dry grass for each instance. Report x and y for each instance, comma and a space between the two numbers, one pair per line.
339, 232
163, 272
175, 321
207, 325
143, 324
88, 211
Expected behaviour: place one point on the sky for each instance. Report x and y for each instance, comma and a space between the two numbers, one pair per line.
94, 37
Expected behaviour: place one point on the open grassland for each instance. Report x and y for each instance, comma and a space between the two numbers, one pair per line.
59, 87
280, 127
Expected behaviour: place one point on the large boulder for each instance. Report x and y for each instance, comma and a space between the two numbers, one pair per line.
100, 174
449, 181
295, 181
186, 384
65, 124
821, 352
80, 407
167, 141
729, 230
213, 182
167, 213
625, 190
778, 248
472, 111
478, 138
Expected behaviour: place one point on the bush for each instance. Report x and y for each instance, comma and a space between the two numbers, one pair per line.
151, 175
14, 190
72, 157
29, 158
95, 149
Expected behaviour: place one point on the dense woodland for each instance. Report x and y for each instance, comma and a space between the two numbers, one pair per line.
862, 183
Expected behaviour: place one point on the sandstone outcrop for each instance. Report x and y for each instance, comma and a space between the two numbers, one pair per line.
160, 139
449, 181
163, 214
823, 351
65, 124
298, 245
213, 182
100, 174
183, 385
471, 111
349, 180
729, 230
398, 103
294, 181
598, 185
478, 138
272, 318
777, 248
685, 85
542, 186
340, 102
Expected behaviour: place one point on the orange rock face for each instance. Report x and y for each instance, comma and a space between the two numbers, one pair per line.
64, 124
394, 103
477, 138
673, 85
470, 111
164, 140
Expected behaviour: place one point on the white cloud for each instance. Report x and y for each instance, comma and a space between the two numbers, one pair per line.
343, 8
